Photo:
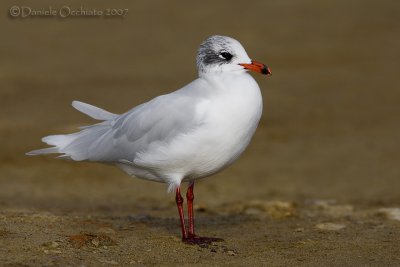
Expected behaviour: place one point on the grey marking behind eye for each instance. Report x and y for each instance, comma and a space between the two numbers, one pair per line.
209, 52
211, 57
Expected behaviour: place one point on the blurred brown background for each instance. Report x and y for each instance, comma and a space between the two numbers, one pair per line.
330, 128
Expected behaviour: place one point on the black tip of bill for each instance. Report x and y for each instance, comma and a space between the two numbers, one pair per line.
265, 70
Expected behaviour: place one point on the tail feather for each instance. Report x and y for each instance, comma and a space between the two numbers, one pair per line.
57, 141
60, 140
76, 146
79, 148
92, 111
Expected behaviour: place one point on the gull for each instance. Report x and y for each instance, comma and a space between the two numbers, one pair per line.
182, 136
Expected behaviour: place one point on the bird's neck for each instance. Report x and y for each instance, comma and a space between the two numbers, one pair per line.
209, 72
230, 80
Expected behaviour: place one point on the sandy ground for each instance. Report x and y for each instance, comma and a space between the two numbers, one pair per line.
318, 186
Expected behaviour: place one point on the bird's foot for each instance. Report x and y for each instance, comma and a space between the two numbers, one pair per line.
200, 240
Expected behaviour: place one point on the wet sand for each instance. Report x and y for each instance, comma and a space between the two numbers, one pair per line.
318, 186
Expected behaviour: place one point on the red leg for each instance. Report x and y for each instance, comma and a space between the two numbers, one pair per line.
190, 197
179, 203
191, 237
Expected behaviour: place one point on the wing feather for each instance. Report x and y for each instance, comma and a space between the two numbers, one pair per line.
156, 122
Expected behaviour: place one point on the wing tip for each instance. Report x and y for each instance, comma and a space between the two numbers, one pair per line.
43, 151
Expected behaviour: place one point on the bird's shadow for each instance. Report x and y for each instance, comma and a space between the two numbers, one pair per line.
212, 224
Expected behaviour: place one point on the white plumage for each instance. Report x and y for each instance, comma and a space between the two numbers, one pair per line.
185, 135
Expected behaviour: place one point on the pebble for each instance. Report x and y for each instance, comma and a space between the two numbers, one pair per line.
51, 247
95, 242
106, 230
111, 262
200, 208
391, 213
275, 209
54, 244
328, 207
231, 253
330, 226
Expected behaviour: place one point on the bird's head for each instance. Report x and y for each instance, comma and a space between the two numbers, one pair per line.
224, 54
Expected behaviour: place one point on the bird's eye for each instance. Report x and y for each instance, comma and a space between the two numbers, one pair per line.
225, 55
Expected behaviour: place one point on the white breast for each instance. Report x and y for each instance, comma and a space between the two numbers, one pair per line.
232, 119
230, 113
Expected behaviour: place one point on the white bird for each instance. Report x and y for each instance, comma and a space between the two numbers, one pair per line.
188, 134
